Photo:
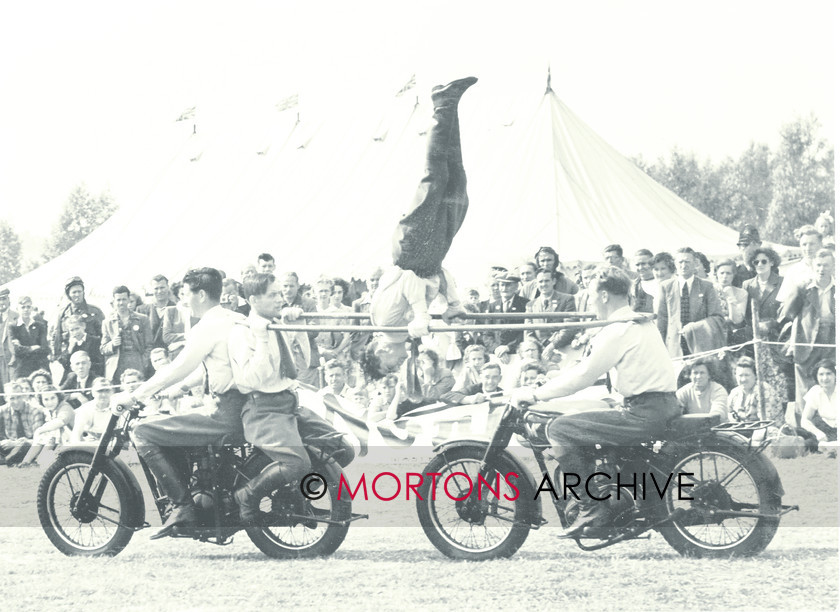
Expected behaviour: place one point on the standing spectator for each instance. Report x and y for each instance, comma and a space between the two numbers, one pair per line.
362, 305
126, 338
77, 383
230, 299
702, 266
812, 310
825, 226
265, 264
340, 298
644, 288
689, 315
92, 418
247, 272
303, 346
748, 241
330, 344
475, 356
743, 402
614, 256
820, 413
532, 374
733, 301
40, 380
703, 395
29, 341
91, 316
156, 310
494, 291
550, 300
802, 272
664, 267
505, 343
491, 376
527, 272
18, 421
79, 340
336, 378
177, 322
546, 257
582, 299
8, 318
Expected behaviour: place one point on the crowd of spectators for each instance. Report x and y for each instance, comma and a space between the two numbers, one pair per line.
708, 314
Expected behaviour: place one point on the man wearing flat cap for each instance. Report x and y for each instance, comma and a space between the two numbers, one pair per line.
92, 316
748, 241
506, 342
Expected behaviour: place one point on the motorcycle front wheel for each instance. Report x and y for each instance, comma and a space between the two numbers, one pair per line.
472, 529
103, 527
282, 537
729, 486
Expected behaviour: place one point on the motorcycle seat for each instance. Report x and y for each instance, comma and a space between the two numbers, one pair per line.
688, 424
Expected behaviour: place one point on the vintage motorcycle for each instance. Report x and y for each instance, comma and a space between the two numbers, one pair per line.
723, 497
90, 503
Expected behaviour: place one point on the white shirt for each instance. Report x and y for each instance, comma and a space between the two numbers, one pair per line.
90, 420
795, 276
255, 358
633, 354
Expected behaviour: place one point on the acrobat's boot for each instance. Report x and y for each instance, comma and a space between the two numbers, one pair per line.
249, 496
171, 482
450, 94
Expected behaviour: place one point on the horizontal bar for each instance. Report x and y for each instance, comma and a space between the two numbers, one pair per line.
479, 316
457, 328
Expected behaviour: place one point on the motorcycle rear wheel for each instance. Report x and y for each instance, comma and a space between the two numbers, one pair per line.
724, 478
299, 540
502, 526
104, 530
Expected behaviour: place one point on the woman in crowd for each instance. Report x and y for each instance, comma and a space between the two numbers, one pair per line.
663, 267
434, 380
820, 413
58, 423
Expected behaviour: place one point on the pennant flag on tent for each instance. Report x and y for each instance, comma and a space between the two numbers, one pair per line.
287, 103
187, 114
408, 86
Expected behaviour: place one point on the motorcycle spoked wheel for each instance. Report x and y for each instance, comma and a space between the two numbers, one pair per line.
104, 530
724, 478
299, 540
492, 529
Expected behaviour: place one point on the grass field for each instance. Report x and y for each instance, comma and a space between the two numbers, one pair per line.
397, 568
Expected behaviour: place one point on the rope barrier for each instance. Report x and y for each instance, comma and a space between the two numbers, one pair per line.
62, 391
478, 316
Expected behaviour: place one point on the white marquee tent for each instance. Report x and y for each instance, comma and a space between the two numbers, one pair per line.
323, 193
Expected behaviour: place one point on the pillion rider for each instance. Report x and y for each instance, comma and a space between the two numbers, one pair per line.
640, 370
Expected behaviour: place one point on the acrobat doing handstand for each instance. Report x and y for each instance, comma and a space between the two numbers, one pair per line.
421, 241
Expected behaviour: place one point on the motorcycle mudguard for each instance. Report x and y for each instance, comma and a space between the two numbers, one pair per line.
725, 437
137, 496
534, 500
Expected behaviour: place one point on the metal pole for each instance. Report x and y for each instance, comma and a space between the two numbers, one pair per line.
757, 350
478, 316
457, 328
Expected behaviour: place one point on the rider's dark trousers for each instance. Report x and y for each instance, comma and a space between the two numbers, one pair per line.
269, 421
194, 428
644, 417
425, 233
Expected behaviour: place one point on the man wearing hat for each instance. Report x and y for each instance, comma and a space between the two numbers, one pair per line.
506, 342
90, 315
8, 319
748, 241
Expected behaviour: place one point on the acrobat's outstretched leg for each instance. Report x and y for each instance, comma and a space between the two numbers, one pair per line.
425, 233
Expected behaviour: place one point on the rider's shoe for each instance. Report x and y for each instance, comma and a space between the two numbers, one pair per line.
180, 517
249, 496
592, 517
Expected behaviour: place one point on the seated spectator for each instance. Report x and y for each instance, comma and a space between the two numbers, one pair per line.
58, 423
386, 399
435, 381
130, 380
92, 418
733, 301
703, 395
77, 384
359, 401
475, 356
29, 341
529, 351
39, 380
182, 396
743, 402
491, 376
531, 374
19, 419
79, 340
25, 385
645, 287
820, 413
336, 379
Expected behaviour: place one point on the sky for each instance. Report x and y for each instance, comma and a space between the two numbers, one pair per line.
92, 89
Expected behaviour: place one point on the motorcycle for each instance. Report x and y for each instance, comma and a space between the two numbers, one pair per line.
711, 490
90, 503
